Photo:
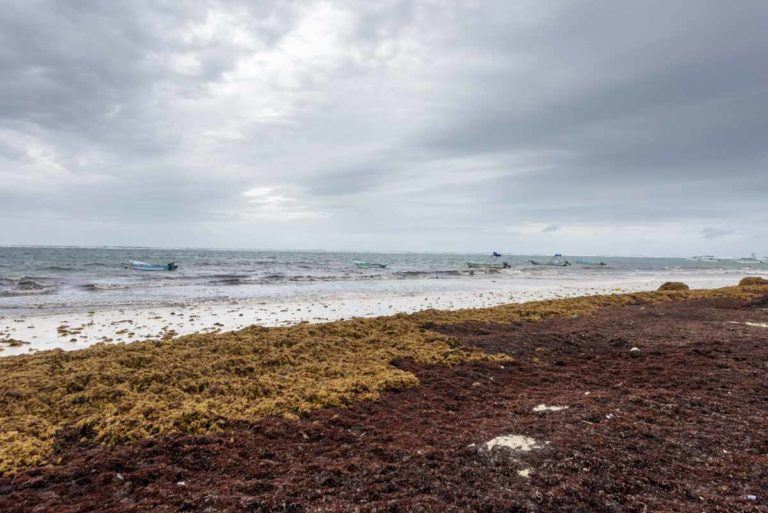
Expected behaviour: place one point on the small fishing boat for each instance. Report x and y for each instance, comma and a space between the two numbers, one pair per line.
369, 265
144, 266
590, 263
555, 261
705, 258
488, 265
750, 260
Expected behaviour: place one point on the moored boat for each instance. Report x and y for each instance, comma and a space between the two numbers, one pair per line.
590, 263
750, 260
144, 266
369, 265
555, 261
488, 265
705, 258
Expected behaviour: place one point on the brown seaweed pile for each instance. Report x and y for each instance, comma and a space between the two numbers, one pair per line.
203, 382
679, 428
208, 382
751, 281
674, 285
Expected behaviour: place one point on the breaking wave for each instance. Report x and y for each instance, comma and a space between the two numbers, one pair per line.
428, 274
95, 287
26, 286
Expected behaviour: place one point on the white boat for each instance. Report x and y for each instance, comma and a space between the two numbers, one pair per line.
555, 261
750, 260
369, 265
144, 266
488, 265
705, 258
590, 263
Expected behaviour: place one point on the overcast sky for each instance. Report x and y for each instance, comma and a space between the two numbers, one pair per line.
583, 127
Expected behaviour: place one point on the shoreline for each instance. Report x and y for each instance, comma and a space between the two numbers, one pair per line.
524, 406
86, 326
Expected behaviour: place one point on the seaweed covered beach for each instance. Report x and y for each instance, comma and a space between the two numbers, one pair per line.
638, 402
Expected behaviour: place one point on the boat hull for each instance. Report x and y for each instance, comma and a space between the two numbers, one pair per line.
584, 263
489, 265
143, 266
549, 264
370, 265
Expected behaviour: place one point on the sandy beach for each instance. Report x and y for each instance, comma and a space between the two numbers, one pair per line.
80, 327
645, 401
328, 256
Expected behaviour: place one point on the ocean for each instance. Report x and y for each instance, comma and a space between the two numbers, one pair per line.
43, 279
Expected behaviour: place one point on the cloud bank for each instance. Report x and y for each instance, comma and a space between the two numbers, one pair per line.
583, 127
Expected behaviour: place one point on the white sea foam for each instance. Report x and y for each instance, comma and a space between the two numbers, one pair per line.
230, 290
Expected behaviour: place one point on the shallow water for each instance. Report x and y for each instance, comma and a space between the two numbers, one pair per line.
58, 279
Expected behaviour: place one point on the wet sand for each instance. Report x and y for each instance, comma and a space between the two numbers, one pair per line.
82, 328
678, 425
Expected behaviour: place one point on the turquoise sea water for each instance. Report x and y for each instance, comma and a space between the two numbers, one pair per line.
57, 277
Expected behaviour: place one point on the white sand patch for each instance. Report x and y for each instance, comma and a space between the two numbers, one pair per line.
510, 448
83, 326
79, 329
517, 443
544, 407
754, 324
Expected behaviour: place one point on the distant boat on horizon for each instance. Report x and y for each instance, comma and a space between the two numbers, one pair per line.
488, 265
144, 266
369, 265
555, 261
705, 258
751, 259
590, 263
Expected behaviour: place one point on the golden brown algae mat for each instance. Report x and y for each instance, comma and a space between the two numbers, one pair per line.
206, 382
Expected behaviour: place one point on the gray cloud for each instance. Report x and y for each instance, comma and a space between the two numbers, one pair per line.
712, 232
595, 126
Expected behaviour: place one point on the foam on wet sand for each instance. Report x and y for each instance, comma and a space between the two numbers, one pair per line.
80, 329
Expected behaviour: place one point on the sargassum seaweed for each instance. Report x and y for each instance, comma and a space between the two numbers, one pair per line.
201, 383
